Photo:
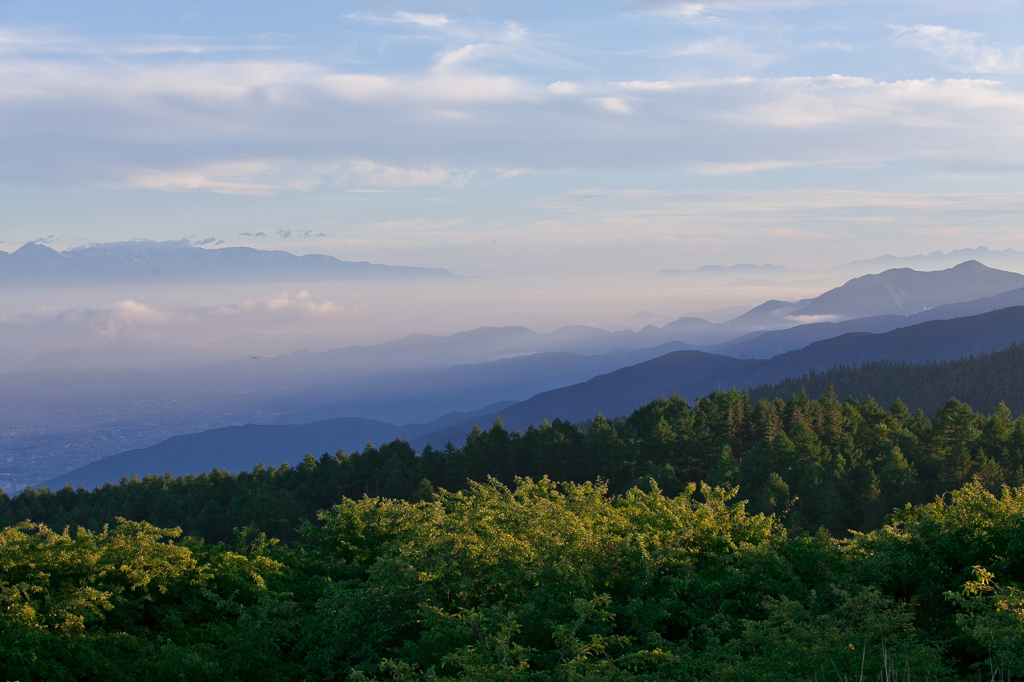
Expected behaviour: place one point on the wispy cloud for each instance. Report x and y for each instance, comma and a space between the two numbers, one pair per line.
727, 48
565, 88
270, 177
299, 234
739, 168
428, 20
961, 50
687, 9
223, 178
806, 102
53, 42
368, 172
614, 105
467, 108
433, 21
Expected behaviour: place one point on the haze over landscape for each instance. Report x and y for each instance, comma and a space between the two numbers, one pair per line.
632, 340
213, 220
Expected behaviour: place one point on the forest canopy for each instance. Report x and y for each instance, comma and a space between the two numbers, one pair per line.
787, 540
818, 463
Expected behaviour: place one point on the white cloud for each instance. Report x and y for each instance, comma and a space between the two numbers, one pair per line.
280, 82
223, 178
299, 234
139, 313
284, 304
428, 20
515, 173
813, 319
46, 41
395, 176
667, 86
808, 102
273, 126
961, 50
614, 105
565, 88
928, 103
264, 178
685, 10
689, 10
739, 168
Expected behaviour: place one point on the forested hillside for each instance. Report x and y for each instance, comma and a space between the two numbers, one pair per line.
752, 574
744, 536
823, 463
983, 382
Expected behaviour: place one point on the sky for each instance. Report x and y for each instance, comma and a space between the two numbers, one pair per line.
518, 139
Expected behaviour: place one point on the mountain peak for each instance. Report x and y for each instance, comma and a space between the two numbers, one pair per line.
904, 291
32, 248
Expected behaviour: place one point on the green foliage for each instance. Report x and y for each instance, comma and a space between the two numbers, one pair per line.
540, 581
994, 616
817, 463
712, 541
129, 603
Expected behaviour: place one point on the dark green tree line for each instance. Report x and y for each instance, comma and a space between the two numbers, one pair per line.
819, 463
983, 382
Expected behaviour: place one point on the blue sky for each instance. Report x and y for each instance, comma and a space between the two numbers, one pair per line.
517, 138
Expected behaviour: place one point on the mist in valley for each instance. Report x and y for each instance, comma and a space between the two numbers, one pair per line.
91, 369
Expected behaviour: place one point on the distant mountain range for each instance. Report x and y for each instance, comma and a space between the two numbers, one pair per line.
687, 372
414, 396
904, 291
148, 261
900, 291
693, 373
78, 405
930, 261
897, 293
235, 448
771, 343
937, 259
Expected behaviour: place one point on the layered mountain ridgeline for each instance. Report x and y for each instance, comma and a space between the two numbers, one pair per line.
936, 260
693, 373
148, 261
549, 582
902, 291
771, 343
688, 373
873, 303
124, 395
984, 382
825, 463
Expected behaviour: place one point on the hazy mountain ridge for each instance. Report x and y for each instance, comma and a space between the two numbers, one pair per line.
61, 419
936, 260
147, 261
119, 401
234, 447
401, 397
939, 259
687, 372
771, 343
904, 291
692, 373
